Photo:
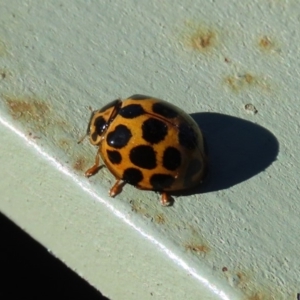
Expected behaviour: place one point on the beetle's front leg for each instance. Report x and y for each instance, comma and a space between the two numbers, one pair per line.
96, 167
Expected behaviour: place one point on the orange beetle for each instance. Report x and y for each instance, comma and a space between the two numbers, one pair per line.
149, 143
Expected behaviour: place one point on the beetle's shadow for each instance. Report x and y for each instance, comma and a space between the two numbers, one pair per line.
237, 150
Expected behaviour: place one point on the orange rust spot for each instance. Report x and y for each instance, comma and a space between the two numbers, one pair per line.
248, 78
80, 164
242, 280
160, 219
241, 276
256, 296
202, 40
137, 208
200, 37
239, 82
265, 43
230, 80
26, 108
198, 248
64, 144
3, 74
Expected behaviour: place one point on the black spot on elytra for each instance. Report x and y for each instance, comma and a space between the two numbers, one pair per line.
171, 158
164, 110
143, 156
154, 131
114, 156
110, 104
194, 167
161, 181
131, 111
187, 136
100, 124
139, 97
132, 176
94, 136
119, 138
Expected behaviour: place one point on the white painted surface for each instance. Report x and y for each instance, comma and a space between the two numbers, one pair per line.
57, 58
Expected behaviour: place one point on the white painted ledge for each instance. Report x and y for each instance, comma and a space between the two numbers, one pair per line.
239, 238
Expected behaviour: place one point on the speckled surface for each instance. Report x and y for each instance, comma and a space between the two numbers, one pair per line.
233, 67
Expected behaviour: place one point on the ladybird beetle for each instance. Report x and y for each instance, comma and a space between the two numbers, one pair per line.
148, 143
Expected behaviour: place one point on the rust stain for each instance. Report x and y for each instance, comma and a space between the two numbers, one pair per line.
196, 243
35, 114
64, 144
160, 219
135, 207
138, 207
80, 164
40, 120
265, 43
242, 278
248, 285
26, 108
200, 37
247, 80
4, 74
197, 248
238, 82
257, 296
245, 284
237, 279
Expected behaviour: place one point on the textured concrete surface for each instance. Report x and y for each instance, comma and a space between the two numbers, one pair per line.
234, 67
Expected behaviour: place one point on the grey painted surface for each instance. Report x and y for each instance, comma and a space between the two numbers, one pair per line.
233, 66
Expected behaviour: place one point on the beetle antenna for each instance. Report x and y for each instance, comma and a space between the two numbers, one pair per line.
82, 139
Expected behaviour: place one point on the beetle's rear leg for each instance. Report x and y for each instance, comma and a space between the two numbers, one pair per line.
117, 188
166, 199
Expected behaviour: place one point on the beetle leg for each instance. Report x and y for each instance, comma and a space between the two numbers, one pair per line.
166, 199
95, 168
117, 188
